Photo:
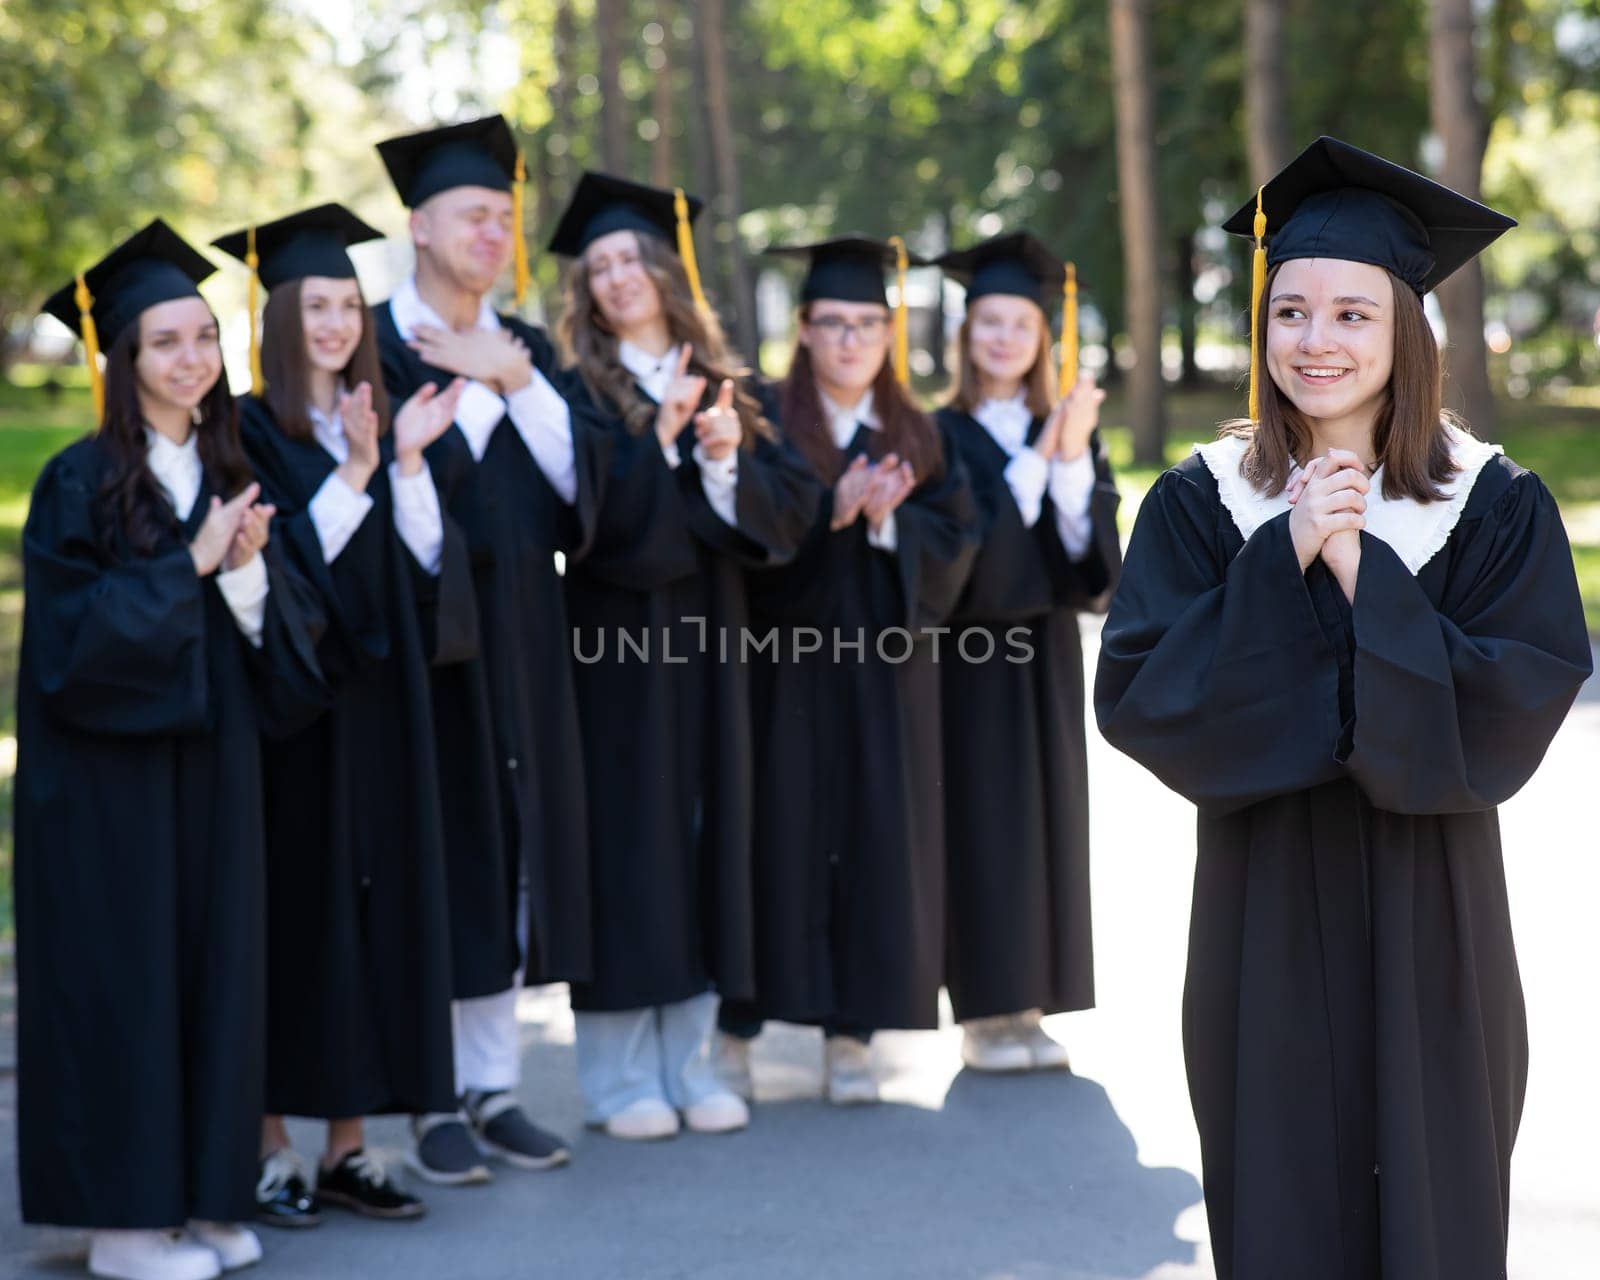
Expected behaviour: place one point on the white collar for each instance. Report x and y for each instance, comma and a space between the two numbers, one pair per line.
329, 431
176, 468
1416, 531
653, 373
409, 311
845, 422
1006, 421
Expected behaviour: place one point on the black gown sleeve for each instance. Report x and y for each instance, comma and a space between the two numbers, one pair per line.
936, 541
118, 647
291, 688
775, 503
1087, 584
1217, 675
1455, 706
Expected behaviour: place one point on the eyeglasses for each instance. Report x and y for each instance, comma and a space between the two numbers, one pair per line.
836, 329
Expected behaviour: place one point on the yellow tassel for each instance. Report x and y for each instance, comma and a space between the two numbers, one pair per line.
518, 197
691, 267
902, 327
1069, 330
91, 348
252, 260
1258, 285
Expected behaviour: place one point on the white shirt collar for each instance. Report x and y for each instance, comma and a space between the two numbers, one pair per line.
1415, 531
845, 422
409, 311
176, 468
1007, 421
653, 373
329, 431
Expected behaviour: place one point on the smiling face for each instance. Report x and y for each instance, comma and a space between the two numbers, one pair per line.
1330, 337
332, 314
848, 342
180, 356
467, 234
1005, 334
620, 284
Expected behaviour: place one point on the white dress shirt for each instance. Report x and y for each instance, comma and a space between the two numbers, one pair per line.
1071, 484
178, 471
537, 411
337, 510
719, 478
844, 423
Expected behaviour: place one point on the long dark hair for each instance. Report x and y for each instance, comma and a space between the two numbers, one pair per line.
1410, 438
287, 369
904, 428
589, 344
132, 510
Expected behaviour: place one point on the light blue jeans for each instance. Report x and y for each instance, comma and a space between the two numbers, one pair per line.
662, 1052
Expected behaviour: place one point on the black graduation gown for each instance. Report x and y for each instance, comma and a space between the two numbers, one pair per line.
1015, 765
849, 826
139, 866
358, 983
666, 738
1352, 1004
514, 523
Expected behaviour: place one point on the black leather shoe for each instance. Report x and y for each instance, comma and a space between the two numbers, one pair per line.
361, 1184
283, 1193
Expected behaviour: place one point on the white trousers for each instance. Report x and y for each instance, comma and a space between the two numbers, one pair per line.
663, 1052
488, 1049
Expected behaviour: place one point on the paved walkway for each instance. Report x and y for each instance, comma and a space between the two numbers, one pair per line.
1090, 1176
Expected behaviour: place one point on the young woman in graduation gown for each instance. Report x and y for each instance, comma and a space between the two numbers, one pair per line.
358, 977
696, 491
517, 475
1347, 629
849, 830
161, 636
1016, 781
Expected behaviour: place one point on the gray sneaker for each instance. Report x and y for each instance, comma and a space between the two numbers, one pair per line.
443, 1151
504, 1130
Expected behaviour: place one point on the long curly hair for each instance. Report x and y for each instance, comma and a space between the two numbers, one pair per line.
132, 510
588, 344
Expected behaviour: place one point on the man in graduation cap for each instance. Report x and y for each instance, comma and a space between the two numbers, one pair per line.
1347, 629
517, 472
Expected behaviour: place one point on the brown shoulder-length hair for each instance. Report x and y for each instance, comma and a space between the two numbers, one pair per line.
904, 429
286, 368
588, 343
1410, 439
131, 509
1038, 384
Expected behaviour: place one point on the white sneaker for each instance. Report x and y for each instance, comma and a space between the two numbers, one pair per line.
993, 1044
849, 1066
1046, 1052
151, 1255
730, 1059
644, 1121
234, 1244
718, 1113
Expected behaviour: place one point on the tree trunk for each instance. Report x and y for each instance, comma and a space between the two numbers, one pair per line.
1266, 89
661, 104
558, 156
1188, 308
709, 18
1141, 221
1458, 120
610, 17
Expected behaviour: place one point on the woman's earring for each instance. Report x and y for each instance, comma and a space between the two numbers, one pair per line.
195, 416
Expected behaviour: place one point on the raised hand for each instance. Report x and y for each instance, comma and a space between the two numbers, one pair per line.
679, 400
1079, 410
216, 532
360, 421
850, 492
422, 420
891, 484
250, 536
717, 428
1330, 498
494, 357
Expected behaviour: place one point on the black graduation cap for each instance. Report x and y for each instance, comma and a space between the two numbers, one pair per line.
152, 266
847, 268
1338, 201
312, 242
1015, 263
479, 153
603, 203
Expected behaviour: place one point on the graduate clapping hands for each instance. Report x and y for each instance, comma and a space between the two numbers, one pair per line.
1066, 432
233, 532
871, 489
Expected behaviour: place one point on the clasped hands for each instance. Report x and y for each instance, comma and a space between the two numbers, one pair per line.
1328, 503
